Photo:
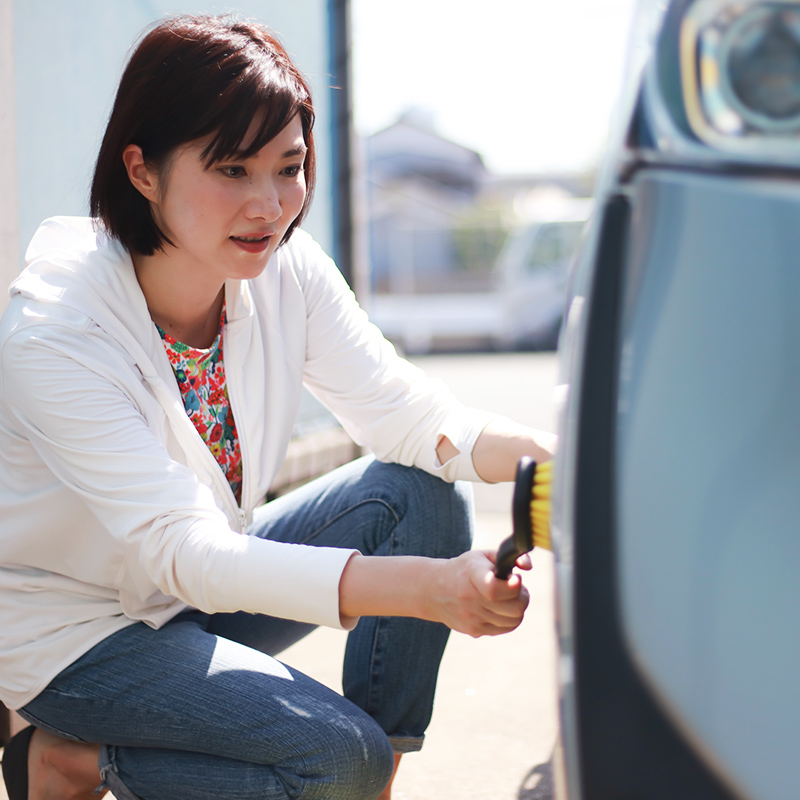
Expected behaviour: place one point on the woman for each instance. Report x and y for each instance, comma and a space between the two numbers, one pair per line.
151, 367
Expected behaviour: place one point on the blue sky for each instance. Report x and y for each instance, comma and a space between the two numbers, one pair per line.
530, 84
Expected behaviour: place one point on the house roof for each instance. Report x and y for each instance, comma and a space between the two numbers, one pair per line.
412, 147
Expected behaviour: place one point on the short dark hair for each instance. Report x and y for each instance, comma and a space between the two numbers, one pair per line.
191, 77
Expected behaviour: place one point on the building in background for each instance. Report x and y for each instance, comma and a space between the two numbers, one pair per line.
419, 186
461, 258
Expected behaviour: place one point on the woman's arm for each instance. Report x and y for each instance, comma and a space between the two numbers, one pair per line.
386, 403
460, 592
500, 446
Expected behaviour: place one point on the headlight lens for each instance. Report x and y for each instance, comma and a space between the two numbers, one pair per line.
740, 68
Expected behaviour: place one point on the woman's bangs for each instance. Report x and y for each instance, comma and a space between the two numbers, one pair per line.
271, 107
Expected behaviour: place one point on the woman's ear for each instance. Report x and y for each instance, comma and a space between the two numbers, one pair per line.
138, 172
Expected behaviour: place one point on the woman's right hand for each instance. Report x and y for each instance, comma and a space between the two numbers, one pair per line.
461, 592
465, 595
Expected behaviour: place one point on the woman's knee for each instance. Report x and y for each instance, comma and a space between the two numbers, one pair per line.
360, 762
442, 512
454, 515
407, 511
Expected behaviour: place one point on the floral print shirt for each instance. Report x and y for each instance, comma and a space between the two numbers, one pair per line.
201, 379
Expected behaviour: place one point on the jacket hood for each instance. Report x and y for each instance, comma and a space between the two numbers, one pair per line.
69, 261
70, 265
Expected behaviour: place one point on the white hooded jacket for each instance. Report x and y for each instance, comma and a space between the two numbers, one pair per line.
112, 508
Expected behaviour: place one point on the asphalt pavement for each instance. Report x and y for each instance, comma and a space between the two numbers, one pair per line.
494, 723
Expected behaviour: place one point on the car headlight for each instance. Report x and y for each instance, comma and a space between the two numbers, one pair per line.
740, 70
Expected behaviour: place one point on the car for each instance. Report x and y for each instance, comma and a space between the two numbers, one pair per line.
523, 309
532, 274
676, 503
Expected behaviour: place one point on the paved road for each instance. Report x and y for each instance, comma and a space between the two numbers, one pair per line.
494, 723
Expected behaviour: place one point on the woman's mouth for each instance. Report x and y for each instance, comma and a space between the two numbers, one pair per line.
252, 244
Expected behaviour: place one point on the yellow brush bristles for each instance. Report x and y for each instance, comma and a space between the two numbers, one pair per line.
540, 505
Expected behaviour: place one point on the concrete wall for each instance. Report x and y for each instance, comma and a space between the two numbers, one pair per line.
57, 93
9, 218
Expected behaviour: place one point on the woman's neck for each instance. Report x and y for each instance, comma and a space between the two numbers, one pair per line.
186, 309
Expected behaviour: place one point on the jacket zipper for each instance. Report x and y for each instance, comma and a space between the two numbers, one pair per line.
231, 377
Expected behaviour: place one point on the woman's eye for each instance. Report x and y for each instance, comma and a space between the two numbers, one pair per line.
293, 171
232, 172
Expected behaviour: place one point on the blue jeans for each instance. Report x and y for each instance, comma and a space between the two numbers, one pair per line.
200, 709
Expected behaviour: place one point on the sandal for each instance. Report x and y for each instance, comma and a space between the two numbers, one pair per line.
15, 764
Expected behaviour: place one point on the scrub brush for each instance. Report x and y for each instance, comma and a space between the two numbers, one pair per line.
530, 513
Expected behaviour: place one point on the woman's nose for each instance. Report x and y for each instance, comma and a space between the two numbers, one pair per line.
264, 202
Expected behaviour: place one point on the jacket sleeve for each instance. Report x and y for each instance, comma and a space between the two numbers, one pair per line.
79, 415
383, 401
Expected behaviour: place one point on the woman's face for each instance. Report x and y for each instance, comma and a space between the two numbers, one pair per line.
226, 220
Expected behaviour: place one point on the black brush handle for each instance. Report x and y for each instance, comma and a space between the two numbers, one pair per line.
521, 541
507, 556
521, 503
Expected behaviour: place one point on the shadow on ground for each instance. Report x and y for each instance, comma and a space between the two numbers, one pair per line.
538, 783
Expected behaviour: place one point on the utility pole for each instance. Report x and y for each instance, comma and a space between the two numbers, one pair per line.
348, 219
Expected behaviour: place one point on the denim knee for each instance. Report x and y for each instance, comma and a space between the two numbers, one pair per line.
459, 495
441, 512
361, 764
350, 761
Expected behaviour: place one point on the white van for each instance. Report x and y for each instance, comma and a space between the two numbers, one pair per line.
525, 306
532, 274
